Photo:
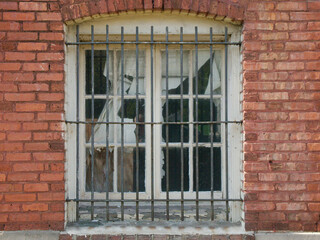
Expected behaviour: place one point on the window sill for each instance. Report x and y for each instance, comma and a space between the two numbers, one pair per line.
154, 228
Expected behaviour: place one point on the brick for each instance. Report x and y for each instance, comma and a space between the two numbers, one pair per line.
290, 187
305, 197
22, 177
35, 126
30, 107
42, 136
50, 96
291, 146
274, 177
289, 66
302, 36
273, 36
49, 16
273, 196
35, 207
35, 67
48, 156
9, 126
10, 66
50, 56
32, 46
49, 77
23, 77
277, 216
263, 6
18, 16
51, 176
292, 6
50, 116
34, 87
304, 116
273, 56
18, 116
265, 206
56, 26
51, 36
58, 216
22, 36
35, 26
18, 156
10, 147
258, 26
51, 196
8, 5
9, 208
255, 46
21, 97
313, 147
32, 6
28, 167
24, 217
34, 146
305, 177
36, 187
291, 206
19, 136
304, 16
248, 186
273, 96
17, 56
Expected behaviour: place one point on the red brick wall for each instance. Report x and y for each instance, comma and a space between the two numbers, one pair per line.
31, 110
281, 73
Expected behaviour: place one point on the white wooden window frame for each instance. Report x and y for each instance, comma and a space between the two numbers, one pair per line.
144, 21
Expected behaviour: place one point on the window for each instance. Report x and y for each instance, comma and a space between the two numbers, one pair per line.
149, 128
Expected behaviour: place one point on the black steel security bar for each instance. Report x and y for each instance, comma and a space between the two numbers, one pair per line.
137, 122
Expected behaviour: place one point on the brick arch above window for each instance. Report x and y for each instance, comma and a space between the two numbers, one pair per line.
82, 10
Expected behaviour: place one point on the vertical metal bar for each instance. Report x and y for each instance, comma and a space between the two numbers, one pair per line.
167, 126
137, 126
181, 127
92, 119
226, 125
197, 125
211, 131
122, 125
152, 153
107, 121
78, 127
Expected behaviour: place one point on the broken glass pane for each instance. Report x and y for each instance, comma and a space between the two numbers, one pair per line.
205, 169
174, 110
175, 169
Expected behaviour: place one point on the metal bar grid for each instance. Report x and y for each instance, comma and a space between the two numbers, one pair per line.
137, 122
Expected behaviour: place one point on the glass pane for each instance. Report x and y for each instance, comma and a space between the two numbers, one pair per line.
99, 169
175, 169
129, 72
174, 72
174, 115
100, 114
99, 71
204, 131
204, 72
205, 169
129, 114
129, 169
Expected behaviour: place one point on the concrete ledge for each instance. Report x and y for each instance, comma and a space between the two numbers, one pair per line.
287, 236
29, 235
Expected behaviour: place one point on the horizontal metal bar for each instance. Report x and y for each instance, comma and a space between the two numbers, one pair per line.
155, 123
156, 200
159, 42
